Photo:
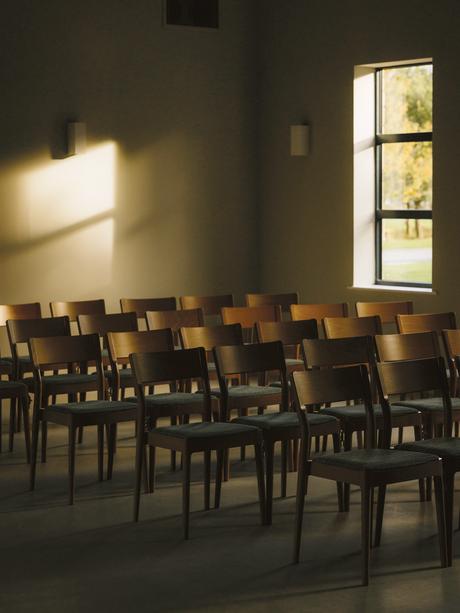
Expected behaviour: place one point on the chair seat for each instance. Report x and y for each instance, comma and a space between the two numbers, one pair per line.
375, 459
427, 405
293, 362
91, 407
241, 391
444, 447
203, 430
125, 374
286, 419
357, 412
64, 379
15, 388
173, 398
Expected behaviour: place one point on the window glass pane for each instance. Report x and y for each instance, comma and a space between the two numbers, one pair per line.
407, 175
406, 250
407, 99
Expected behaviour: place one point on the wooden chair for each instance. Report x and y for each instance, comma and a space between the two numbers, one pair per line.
291, 334
284, 300
77, 307
328, 353
20, 331
157, 320
387, 311
141, 305
366, 468
15, 391
420, 376
416, 346
282, 426
102, 324
318, 311
49, 352
346, 327
204, 436
210, 305
247, 317
426, 322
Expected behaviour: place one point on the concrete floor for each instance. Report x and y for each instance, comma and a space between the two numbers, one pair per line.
91, 557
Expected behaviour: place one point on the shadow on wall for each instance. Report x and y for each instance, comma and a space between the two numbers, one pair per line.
59, 223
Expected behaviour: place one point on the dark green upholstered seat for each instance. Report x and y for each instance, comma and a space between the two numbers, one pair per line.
173, 398
203, 429
126, 374
286, 419
293, 362
279, 384
427, 404
357, 412
240, 391
375, 459
443, 447
92, 406
64, 379
12, 387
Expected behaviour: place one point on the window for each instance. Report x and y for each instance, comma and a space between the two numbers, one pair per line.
403, 170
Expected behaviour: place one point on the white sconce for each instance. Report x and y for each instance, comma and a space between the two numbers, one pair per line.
76, 138
300, 140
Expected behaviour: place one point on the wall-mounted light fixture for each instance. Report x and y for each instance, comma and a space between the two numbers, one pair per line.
76, 137
300, 140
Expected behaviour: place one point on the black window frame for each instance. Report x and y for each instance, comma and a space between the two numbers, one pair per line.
380, 213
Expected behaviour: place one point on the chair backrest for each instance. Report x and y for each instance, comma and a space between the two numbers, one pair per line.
210, 305
102, 324
209, 337
247, 317
326, 353
410, 376
122, 344
387, 311
396, 347
183, 364
22, 330
426, 322
290, 333
284, 300
77, 307
346, 327
51, 351
319, 311
141, 305
157, 320
30, 310
317, 387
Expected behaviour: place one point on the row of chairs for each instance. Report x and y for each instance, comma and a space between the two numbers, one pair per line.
367, 468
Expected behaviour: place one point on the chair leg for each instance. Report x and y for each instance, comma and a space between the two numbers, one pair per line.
1, 429
295, 455
110, 450
186, 493
100, 452
421, 482
33, 459
219, 471
258, 452
12, 426
456, 428
207, 480
25, 416
80, 435
365, 531
336, 441
173, 452
444, 529
72, 437
346, 486
269, 453
448, 483
152, 468
226, 464
379, 517
140, 455
302, 479
400, 435
284, 463
324, 447
44, 440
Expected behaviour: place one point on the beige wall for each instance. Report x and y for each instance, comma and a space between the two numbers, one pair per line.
164, 201
307, 51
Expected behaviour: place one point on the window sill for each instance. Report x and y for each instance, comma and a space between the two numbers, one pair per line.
395, 288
